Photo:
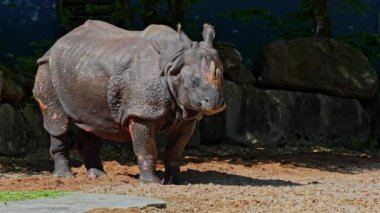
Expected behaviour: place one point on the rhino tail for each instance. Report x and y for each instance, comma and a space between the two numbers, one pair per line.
44, 59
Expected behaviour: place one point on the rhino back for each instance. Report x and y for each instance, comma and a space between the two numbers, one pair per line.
82, 64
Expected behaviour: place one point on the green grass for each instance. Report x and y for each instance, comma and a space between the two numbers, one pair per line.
17, 196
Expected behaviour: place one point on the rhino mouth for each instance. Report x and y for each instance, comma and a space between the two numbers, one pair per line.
212, 111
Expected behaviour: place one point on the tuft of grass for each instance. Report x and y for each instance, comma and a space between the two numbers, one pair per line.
17, 196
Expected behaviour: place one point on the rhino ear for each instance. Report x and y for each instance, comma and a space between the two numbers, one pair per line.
208, 34
174, 67
195, 45
183, 38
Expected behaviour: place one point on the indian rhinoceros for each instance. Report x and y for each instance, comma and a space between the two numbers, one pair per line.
127, 86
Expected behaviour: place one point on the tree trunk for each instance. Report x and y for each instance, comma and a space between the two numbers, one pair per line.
322, 19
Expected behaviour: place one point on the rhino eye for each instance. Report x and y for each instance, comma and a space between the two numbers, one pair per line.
194, 82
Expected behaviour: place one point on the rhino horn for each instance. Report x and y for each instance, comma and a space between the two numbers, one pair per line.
179, 28
214, 75
208, 34
218, 74
195, 45
212, 70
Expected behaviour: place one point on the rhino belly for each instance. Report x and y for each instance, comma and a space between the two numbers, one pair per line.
83, 96
86, 104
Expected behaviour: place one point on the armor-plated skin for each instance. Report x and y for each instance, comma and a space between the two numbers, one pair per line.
127, 86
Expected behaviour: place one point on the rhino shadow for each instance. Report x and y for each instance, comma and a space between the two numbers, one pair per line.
221, 178
337, 160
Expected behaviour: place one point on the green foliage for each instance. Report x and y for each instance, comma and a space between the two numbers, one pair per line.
10, 4
247, 15
354, 6
27, 65
17, 196
113, 13
369, 43
289, 26
301, 23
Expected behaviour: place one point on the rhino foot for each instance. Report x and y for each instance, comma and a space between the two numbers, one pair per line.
174, 180
150, 179
172, 174
95, 173
64, 173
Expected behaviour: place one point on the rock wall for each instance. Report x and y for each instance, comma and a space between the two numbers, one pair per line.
309, 91
319, 65
21, 126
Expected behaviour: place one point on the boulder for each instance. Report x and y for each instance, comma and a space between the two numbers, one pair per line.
212, 129
233, 96
372, 106
241, 75
9, 90
229, 55
234, 69
1, 82
21, 130
274, 117
318, 65
195, 139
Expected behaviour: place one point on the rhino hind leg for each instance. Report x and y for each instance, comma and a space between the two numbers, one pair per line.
55, 121
89, 146
59, 151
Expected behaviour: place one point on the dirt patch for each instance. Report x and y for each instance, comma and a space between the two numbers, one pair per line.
235, 179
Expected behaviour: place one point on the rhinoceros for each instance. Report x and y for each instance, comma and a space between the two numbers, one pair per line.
127, 86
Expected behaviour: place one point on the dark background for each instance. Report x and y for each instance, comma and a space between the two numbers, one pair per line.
27, 22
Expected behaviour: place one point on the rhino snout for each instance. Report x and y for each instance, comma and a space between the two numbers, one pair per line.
212, 107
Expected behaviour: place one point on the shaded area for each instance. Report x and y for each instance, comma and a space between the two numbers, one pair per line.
327, 159
225, 179
332, 160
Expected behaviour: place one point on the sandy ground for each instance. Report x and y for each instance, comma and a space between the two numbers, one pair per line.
235, 179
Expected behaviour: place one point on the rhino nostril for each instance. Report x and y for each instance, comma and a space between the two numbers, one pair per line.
206, 100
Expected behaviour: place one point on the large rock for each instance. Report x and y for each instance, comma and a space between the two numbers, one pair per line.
212, 129
229, 55
234, 68
1, 82
195, 139
21, 130
318, 65
9, 90
372, 106
233, 95
273, 117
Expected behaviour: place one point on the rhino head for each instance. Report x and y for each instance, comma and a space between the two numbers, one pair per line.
198, 77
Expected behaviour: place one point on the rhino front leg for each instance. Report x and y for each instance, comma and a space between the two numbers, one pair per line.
177, 140
59, 151
143, 135
89, 146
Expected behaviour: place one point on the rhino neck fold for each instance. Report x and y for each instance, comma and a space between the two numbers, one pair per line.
180, 110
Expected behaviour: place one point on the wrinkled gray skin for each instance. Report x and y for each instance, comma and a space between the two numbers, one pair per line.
127, 86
